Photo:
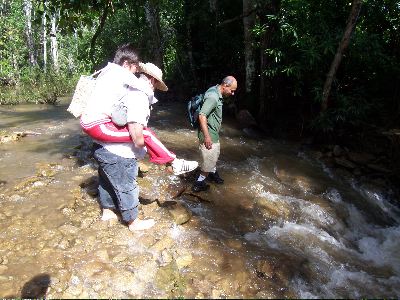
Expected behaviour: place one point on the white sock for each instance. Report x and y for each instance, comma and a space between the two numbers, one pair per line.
214, 170
201, 177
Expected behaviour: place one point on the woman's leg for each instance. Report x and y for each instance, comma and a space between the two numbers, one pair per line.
159, 154
111, 133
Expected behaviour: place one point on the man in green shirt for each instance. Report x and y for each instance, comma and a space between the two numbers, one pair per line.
210, 119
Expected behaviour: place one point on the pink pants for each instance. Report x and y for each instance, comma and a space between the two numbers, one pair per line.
111, 133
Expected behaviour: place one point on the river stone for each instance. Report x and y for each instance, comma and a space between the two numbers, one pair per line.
119, 258
3, 268
215, 294
165, 257
344, 163
68, 229
337, 150
273, 209
184, 261
123, 281
360, 157
102, 255
165, 243
16, 198
264, 269
180, 214
378, 168
234, 244
91, 268
72, 292
168, 278
144, 168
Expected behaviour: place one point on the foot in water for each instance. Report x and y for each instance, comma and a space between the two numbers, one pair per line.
108, 214
139, 224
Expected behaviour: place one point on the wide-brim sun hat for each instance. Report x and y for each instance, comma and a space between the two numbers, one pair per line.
154, 71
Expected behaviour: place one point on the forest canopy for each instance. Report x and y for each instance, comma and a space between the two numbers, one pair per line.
324, 66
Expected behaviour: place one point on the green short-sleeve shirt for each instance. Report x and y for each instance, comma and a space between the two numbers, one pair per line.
212, 109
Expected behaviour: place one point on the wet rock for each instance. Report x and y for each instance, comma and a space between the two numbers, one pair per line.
165, 243
215, 294
265, 294
360, 158
68, 230
46, 170
235, 244
264, 269
4, 278
143, 169
124, 281
120, 258
11, 137
184, 261
3, 268
378, 168
344, 163
245, 118
343, 174
168, 278
64, 244
92, 267
180, 214
73, 291
272, 209
298, 181
16, 198
165, 257
337, 150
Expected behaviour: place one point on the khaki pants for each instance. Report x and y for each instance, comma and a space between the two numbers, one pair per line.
209, 157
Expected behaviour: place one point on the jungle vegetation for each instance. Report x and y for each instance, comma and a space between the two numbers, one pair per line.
305, 66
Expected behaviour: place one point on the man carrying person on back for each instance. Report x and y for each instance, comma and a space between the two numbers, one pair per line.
210, 120
117, 160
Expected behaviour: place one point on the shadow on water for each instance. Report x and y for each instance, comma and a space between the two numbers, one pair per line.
37, 287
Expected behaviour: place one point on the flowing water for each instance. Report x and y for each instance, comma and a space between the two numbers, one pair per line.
282, 225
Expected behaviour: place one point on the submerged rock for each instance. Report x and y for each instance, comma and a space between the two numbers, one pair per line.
180, 214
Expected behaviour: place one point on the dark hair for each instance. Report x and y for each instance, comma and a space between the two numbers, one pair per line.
126, 53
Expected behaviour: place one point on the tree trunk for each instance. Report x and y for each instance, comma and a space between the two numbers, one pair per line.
249, 58
344, 43
102, 22
212, 5
44, 36
28, 31
266, 94
153, 18
54, 42
189, 45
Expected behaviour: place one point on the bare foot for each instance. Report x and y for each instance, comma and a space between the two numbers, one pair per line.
138, 224
108, 214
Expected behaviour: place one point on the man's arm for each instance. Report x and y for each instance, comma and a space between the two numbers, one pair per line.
136, 132
204, 129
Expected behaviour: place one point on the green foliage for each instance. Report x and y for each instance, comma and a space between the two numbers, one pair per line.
38, 87
202, 43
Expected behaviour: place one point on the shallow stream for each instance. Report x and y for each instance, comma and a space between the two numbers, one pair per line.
282, 225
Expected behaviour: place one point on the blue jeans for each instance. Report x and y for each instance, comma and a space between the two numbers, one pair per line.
118, 188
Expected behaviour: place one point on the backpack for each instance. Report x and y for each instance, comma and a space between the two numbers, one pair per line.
82, 94
193, 109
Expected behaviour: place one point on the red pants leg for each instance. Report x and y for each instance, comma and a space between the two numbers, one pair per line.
111, 133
